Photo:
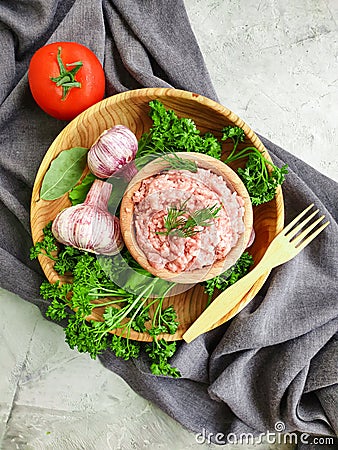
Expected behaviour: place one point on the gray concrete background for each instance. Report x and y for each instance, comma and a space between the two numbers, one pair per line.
275, 64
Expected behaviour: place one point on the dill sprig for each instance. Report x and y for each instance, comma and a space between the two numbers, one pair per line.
180, 223
178, 163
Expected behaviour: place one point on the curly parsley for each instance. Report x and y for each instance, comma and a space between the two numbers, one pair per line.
170, 133
260, 183
230, 276
125, 308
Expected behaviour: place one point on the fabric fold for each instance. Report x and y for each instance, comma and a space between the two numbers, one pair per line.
277, 359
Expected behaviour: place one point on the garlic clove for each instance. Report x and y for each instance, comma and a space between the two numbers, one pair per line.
89, 226
127, 172
252, 238
111, 151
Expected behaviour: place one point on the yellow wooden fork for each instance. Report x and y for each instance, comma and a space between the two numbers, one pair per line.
285, 246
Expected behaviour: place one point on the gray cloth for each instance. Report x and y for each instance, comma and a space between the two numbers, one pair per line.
277, 360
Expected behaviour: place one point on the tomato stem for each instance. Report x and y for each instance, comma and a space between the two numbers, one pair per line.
66, 79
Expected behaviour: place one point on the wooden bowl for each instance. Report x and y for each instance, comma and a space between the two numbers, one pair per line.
195, 276
131, 109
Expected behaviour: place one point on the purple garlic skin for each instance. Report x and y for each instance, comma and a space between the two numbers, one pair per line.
127, 172
89, 226
113, 149
252, 238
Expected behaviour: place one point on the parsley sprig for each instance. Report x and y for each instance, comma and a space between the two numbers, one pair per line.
47, 246
126, 308
170, 134
230, 276
260, 183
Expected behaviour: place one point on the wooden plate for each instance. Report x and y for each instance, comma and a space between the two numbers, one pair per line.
131, 109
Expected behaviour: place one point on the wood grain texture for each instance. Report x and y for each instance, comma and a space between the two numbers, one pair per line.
131, 109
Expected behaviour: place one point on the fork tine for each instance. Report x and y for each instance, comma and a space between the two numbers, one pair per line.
296, 219
297, 239
311, 237
295, 230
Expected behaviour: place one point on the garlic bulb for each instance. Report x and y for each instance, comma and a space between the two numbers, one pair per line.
112, 150
89, 226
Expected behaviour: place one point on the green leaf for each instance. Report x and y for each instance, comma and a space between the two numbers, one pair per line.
56, 311
230, 276
159, 351
259, 182
79, 193
64, 173
170, 134
46, 246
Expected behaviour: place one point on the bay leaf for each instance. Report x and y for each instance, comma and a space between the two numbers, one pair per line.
64, 173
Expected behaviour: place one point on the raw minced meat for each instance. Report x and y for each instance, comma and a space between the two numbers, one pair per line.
199, 190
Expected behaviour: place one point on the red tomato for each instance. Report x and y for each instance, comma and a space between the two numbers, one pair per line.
65, 78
